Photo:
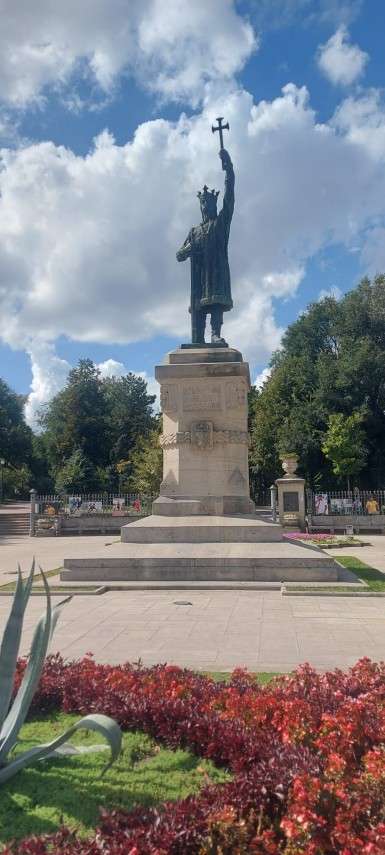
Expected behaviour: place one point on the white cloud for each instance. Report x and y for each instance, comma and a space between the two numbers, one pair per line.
362, 119
334, 292
171, 51
262, 378
341, 62
87, 244
49, 376
112, 368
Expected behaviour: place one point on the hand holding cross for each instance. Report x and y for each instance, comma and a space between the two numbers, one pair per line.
220, 128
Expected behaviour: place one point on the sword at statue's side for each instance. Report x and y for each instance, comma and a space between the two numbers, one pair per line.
221, 128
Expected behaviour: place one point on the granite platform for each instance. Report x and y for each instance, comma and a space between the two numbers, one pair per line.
202, 549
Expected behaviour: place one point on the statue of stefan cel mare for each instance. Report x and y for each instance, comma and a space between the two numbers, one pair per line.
206, 246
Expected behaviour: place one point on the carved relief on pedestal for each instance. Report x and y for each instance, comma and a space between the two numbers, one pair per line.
237, 479
238, 436
235, 394
168, 397
202, 435
169, 480
201, 398
177, 438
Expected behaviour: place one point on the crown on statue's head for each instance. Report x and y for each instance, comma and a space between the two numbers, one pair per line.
207, 194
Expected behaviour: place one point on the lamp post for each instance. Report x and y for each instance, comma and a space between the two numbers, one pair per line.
2, 461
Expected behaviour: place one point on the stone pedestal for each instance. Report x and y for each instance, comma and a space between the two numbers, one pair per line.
291, 502
203, 531
205, 439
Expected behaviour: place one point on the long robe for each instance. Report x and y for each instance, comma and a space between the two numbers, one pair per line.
206, 245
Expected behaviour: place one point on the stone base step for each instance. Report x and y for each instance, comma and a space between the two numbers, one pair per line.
202, 529
199, 585
194, 570
14, 525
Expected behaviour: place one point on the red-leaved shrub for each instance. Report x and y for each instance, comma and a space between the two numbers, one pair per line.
306, 751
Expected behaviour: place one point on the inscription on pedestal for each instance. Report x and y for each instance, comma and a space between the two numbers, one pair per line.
290, 502
201, 398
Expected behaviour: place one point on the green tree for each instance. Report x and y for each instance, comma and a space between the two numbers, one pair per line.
147, 464
15, 435
103, 418
130, 414
332, 360
76, 475
76, 418
344, 444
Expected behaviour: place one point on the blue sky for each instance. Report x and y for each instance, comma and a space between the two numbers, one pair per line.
105, 134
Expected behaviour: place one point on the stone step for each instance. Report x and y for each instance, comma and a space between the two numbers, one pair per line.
201, 529
13, 525
206, 569
141, 585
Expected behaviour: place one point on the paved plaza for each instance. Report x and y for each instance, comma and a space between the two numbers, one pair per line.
212, 630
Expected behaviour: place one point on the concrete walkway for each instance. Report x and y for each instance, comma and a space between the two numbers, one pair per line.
211, 630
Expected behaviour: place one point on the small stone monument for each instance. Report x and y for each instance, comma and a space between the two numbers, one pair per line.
291, 495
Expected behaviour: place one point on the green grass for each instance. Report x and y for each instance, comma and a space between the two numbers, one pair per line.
10, 586
374, 580
69, 789
261, 677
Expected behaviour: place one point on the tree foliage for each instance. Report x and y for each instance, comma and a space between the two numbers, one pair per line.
92, 425
147, 464
15, 435
332, 361
344, 444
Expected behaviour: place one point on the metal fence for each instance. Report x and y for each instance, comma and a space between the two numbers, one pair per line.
262, 498
342, 503
91, 504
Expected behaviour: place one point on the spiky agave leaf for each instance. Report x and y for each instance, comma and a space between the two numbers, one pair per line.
104, 725
42, 636
10, 644
11, 724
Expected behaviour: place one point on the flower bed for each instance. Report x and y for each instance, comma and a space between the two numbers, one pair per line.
325, 539
306, 751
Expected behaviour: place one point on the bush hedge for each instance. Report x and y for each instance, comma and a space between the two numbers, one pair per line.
306, 751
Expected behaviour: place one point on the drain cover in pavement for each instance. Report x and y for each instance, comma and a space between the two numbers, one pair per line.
181, 603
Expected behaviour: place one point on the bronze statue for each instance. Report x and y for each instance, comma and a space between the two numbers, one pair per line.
206, 246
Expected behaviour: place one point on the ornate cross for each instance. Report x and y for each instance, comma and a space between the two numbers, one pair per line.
220, 128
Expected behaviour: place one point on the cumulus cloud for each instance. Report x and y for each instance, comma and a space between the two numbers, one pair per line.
87, 244
362, 120
262, 378
49, 377
44, 44
340, 61
334, 292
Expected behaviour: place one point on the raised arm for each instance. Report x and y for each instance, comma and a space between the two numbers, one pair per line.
228, 198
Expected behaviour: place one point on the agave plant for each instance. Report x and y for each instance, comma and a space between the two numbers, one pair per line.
12, 719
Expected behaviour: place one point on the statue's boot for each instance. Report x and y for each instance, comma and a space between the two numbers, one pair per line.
216, 324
